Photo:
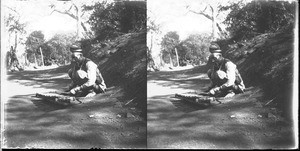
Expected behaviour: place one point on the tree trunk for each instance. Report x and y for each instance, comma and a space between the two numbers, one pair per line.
151, 42
177, 58
16, 41
42, 56
35, 62
78, 25
214, 26
26, 60
171, 62
78, 19
161, 60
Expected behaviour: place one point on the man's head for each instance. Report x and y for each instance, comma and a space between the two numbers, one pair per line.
77, 55
216, 52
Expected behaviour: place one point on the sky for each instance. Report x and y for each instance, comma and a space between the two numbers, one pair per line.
37, 15
172, 15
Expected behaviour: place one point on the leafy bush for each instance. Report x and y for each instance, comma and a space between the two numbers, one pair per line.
194, 49
109, 20
258, 17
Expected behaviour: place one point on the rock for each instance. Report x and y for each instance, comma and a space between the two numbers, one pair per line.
129, 115
270, 115
118, 104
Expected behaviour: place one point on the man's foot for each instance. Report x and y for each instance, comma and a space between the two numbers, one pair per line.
229, 95
91, 94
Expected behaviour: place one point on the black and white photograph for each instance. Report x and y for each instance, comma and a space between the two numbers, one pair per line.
73, 74
149, 74
222, 74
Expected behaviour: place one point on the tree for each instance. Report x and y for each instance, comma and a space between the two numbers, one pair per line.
169, 42
33, 44
153, 30
57, 48
14, 26
258, 17
109, 20
194, 49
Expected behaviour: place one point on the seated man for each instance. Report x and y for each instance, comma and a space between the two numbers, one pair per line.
225, 78
86, 78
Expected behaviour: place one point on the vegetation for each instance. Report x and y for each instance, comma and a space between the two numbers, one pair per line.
169, 43
33, 43
109, 20
258, 17
194, 49
56, 49
191, 51
261, 43
17, 28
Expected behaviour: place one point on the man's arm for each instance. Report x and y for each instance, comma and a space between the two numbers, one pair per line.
91, 75
101, 79
230, 74
230, 71
91, 78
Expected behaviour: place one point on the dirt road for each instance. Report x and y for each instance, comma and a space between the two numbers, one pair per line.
99, 122
242, 122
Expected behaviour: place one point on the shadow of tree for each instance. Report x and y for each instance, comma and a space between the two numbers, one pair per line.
50, 79
186, 106
32, 122
195, 78
236, 123
214, 127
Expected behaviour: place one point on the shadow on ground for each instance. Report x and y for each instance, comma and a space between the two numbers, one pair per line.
242, 122
96, 123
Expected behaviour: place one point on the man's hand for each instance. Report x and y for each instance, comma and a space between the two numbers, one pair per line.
74, 90
215, 90
90, 94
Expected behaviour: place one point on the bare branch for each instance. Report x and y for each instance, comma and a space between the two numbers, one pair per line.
69, 8
220, 29
65, 12
202, 13
75, 7
13, 10
204, 9
82, 13
83, 26
212, 9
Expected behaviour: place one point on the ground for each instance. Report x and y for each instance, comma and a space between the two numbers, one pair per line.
99, 122
242, 122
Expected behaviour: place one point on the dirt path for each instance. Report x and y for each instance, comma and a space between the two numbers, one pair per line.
100, 122
238, 123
